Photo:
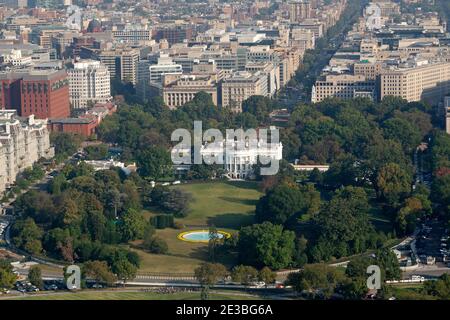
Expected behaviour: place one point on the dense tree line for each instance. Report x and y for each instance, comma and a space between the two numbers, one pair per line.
144, 131
85, 216
321, 281
440, 165
369, 147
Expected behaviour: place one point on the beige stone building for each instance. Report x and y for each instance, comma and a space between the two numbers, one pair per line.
303, 39
23, 141
427, 82
371, 70
288, 61
241, 86
343, 86
122, 63
299, 10
180, 89
270, 70
89, 82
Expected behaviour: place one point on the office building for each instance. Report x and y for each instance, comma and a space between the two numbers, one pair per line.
42, 93
425, 81
89, 83
180, 89
122, 63
299, 10
241, 86
343, 86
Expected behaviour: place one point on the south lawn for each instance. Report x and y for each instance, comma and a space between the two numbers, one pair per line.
132, 295
226, 205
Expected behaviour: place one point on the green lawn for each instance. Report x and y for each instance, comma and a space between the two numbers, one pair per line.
109, 295
224, 204
162, 263
227, 205
409, 291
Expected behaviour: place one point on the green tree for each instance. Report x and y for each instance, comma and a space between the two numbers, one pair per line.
353, 289
57, 184
99, 271
344, 224
440, 192
209, 274
300, 257
317, 280
439, 288
214, 242
65, 143
259, 106
389, 264
27, 235
156, 245
133, 225
266, 245
7, 276
149, 233
285, 202
96, 152
393, 182
403, 131
267, 275
244, 274
154, 163
380, 152
35, 277
124, 269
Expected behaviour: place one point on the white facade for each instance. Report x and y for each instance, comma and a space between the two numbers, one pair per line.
15, 58
22, 143
89, 81
238, 159
165, 66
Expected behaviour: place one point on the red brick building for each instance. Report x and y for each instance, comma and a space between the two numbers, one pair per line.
85, 124
9, 91
44, 93
82, 126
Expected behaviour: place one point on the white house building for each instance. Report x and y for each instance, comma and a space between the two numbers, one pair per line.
238, 159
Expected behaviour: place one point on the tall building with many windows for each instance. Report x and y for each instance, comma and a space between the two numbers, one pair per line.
164, 66
122, 63
23, 141
299, 10
241, 86
89, 82
424, 81
42, 93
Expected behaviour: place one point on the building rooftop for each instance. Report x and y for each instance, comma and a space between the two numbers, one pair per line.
72, 120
